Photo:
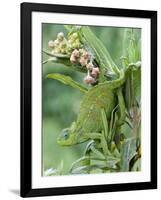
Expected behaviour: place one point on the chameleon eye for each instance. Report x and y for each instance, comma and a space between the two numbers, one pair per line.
66, 135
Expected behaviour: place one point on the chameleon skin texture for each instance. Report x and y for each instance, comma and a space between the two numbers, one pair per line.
99, 97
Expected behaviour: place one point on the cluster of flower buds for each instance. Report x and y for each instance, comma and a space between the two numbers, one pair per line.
73, 47
65, 46
83, 57
59, 45
79, 56
73, 41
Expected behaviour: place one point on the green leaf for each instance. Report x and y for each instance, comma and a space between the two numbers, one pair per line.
128, 93
66, 62
137, 84
102, 55
72, 28
112, 161
68, 27
131, 45
97, 153
80, 170
87, 169
133, 88
68, 81
83, 161
57, 55
105, 123
137, 165
128, 151
51, 172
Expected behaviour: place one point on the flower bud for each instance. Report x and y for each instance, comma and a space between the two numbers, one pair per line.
85, 55
83, 61
51, 44
70, 41
63, 50
63, 45
89, 79
56, 43
89, 66
60, 36
74, 36
73, 59
81, 51
69, 49
95, 72
75, 53
76, 44
56, 50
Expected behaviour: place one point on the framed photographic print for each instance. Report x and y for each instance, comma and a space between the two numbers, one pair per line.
88, 99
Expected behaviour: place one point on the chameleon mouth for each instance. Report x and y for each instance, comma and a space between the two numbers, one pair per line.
60, 141
66, 142
63, 142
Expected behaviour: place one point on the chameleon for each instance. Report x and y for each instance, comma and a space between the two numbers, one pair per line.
104, 96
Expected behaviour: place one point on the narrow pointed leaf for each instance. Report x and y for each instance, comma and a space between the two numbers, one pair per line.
105, 123
128, 151
68, 81
131, 45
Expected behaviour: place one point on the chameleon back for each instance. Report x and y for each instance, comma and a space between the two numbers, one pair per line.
99, 97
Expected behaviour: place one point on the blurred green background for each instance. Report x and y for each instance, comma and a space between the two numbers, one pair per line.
60, 103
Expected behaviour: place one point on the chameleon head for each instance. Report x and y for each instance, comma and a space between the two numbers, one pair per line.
67, 136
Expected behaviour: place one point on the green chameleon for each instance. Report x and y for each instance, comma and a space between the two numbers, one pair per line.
103, 97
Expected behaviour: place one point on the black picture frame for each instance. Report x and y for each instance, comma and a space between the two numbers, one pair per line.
26, 103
